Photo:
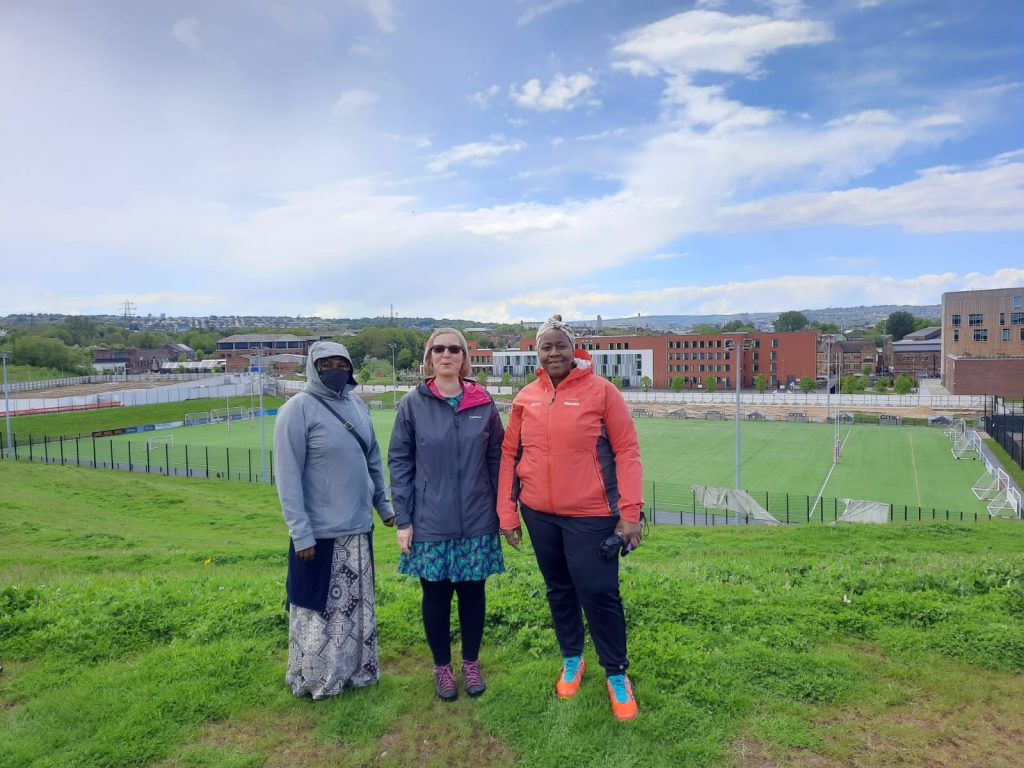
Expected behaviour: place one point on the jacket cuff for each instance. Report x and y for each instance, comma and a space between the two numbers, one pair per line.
304, 543
509, 519
632, 514
403, 520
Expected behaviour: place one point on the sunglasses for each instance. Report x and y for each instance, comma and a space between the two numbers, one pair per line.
453, 349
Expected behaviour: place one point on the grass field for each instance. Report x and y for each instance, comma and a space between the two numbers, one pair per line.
141, 624
910, 466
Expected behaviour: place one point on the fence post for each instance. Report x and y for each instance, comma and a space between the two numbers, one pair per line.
227, 457
46, 449
188, 472
148, 462
130, 464
111, 442
249, 451
94, 454
167, 459
78, 453
654, 502
62, 450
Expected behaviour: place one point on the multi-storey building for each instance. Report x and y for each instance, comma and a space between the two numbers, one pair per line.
983, 342
782, 358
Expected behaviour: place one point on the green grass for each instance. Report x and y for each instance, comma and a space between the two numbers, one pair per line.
87, 422
21, 373
141, 623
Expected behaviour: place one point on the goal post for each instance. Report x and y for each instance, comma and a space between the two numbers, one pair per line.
232, 413
158, 441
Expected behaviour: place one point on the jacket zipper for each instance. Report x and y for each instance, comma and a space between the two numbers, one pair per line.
551, 497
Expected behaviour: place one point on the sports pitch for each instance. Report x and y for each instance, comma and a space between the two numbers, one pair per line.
910, 466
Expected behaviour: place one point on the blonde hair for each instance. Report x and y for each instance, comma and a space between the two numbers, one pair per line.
428, 363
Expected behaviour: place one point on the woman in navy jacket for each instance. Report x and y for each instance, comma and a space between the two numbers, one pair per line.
443, 458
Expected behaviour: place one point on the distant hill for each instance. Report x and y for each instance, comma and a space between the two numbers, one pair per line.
844, 317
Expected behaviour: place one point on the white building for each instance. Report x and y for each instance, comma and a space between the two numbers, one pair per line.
630, 365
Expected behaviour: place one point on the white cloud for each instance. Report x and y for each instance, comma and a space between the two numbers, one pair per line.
382, 12
536, 11
562, 93
484, 98
940, 200
368, 48
867, 117
478, 153
186, 32
354, 100
709, 41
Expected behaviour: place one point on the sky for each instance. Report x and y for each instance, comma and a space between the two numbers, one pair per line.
507, 159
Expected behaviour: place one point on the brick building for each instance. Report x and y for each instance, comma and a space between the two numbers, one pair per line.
782, 358
983, 342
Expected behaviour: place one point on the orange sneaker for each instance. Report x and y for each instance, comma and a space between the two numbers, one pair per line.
621, 694
568, 684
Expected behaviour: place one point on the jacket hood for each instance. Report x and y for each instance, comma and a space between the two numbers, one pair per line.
317, 351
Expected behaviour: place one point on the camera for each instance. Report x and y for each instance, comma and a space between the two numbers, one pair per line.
611, 546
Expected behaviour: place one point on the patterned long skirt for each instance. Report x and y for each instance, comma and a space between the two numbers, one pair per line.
330, 651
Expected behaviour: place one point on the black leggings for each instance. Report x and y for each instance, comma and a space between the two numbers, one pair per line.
437, 617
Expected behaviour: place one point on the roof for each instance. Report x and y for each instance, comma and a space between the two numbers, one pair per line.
931, 332
265, 337
857, 345
916, 345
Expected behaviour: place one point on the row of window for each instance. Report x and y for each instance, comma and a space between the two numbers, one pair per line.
976, 319
712, 344
981, 334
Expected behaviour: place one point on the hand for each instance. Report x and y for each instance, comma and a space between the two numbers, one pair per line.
389, 521
306, 554
513, 536
630, 533
404, 536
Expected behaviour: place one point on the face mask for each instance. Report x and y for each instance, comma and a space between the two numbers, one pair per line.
335, 379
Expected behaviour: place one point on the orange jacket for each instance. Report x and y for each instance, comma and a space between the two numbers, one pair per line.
570, 451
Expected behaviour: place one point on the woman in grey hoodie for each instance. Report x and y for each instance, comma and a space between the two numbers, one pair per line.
329, 477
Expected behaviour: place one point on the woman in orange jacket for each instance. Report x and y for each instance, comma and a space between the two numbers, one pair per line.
571, 462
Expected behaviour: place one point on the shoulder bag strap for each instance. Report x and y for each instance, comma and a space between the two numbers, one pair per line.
349, 427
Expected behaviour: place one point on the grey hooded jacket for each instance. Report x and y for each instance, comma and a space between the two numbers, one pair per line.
326, 484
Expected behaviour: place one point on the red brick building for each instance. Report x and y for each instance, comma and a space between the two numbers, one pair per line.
782, 358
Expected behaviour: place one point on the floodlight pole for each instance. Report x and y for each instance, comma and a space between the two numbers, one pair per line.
394, 379
7, 407
737, 350
263, 432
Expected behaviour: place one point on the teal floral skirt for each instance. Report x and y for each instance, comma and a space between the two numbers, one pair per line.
471, 559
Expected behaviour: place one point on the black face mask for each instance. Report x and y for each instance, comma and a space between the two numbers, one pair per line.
336, 379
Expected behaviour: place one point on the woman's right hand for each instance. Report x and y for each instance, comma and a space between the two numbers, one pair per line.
404, 536
513, 536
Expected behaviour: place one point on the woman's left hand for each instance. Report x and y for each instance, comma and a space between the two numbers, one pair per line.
404, 536
630, 533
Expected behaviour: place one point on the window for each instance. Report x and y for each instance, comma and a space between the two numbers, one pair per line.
981, 334
1002, 318
1017, 303
1017, 318
974, 320
956, 321
1022, 334
1006, 334
956, 334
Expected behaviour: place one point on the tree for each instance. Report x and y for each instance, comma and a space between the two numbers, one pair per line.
481, 378
899, 324
737, 325
404, 359
678, 384
852, 384
506, 379
710, 384
831, 328
760, 382
531, 377
903, 384
82, 329
645, 383
866, 369
617, 381
807, 384
791, 321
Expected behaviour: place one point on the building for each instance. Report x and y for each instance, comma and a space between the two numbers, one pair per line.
782, 358
140, 360
270, 343
920, 358
480, 359
983, 342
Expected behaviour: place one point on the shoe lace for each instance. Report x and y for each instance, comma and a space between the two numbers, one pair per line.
572, 666
445, 677
618, 684
471, 672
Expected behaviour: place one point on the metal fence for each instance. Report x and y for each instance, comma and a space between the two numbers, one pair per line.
677, 504
141, 455
1004, 423
667, 503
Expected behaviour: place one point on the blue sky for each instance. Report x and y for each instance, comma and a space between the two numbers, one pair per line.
507, 159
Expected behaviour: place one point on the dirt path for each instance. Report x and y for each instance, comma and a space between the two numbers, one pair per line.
85, 389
